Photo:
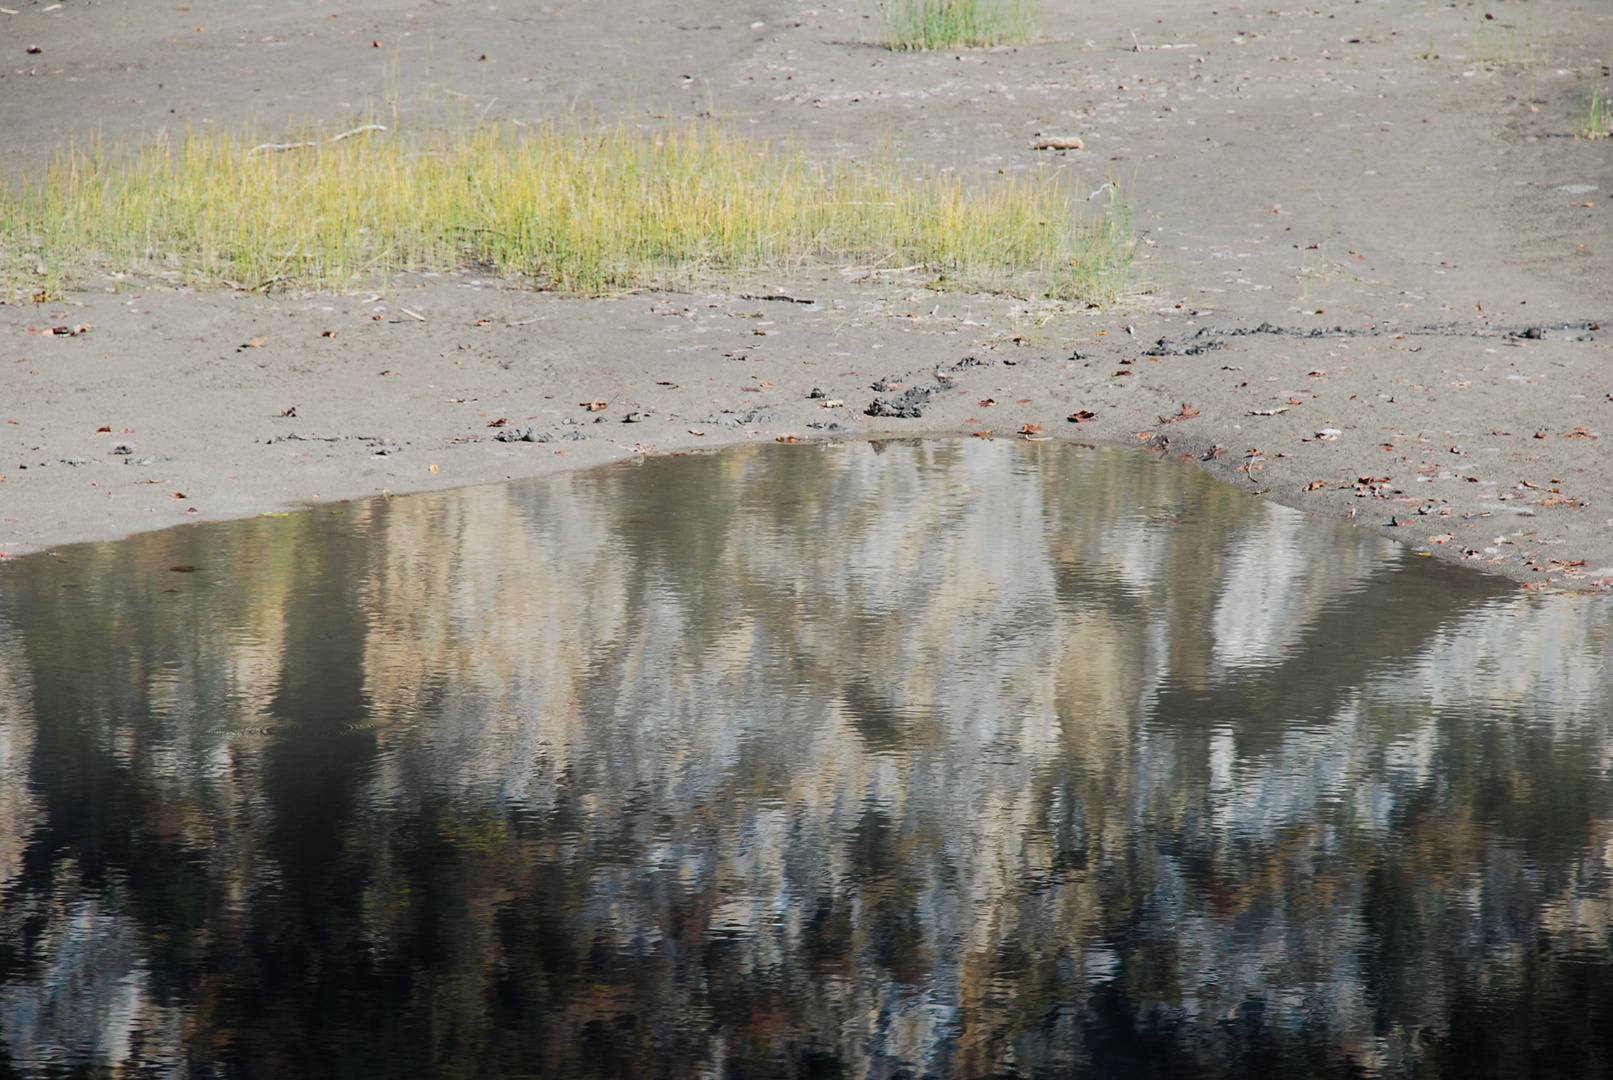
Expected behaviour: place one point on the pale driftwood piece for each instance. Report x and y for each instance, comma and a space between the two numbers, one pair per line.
280, 147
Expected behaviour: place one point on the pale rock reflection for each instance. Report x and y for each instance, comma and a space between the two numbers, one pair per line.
91, 1004
16, 749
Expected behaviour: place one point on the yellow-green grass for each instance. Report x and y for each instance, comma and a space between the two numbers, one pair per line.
1595, 112
958, 24
571, 209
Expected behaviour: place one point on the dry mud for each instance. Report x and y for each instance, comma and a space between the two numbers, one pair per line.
1378, 259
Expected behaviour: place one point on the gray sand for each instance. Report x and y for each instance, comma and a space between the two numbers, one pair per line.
1378, 292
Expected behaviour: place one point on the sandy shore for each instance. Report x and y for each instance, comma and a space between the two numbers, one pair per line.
1378, 289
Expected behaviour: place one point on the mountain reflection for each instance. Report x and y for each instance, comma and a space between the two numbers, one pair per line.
954, 759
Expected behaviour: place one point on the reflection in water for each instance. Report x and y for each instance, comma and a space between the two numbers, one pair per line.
880, 760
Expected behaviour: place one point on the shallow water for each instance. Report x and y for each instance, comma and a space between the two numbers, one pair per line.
878, 760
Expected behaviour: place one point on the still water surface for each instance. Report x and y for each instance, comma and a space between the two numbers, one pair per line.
952, 759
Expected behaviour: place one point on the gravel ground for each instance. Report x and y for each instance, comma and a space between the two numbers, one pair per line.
1378, 264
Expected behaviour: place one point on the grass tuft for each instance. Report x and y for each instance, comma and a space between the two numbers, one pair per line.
958, 24
572, 209
1502, 44
1595, 112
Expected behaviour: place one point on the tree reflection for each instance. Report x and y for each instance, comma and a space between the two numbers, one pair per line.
952, 759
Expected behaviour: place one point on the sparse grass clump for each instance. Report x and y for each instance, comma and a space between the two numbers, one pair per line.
576, 210
958, 24
1596, 113
1500, 43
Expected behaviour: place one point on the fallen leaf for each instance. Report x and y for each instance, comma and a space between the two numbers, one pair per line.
1023, 401
594, 406
500, 422
191, 510
1267, 412
484, 322
434, 470
1578, 433
988, 402
692, 431
1540, 434
664, 383
1187, 413
1441, 538
256, 343
1081, 416
176, 495
102, 428
1314, 484
287, 413
1031, 429
327, 333
764, 383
